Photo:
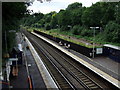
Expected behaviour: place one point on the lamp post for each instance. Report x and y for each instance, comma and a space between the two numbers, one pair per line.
93, 51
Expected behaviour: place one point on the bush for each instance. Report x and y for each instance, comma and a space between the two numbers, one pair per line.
87, 32
112, 32
64, 28
47, 26
37, 25
77, 29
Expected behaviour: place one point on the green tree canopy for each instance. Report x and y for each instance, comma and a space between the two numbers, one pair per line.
74, 6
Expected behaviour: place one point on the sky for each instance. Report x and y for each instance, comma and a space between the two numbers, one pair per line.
57, 5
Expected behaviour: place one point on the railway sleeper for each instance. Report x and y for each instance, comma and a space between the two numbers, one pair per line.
91, 85
88, 82
84, 78
95, 87
80, 74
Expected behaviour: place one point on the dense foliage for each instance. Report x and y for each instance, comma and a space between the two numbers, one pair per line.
11, 14
78, 20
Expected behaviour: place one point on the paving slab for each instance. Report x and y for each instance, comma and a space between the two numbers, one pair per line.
108, 64
20, 81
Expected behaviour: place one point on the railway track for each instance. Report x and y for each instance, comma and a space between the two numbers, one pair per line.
64, 71
80, 79
57, 75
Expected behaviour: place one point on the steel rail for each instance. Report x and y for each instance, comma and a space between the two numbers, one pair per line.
63, 84
65, 65
69, 71
87, 82
78, 70
53, 61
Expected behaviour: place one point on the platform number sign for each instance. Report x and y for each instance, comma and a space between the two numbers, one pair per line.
99, 50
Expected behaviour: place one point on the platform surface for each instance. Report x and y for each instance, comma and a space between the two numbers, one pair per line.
105, 64
21, 80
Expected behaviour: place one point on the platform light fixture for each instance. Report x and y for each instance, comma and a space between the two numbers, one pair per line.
93, 51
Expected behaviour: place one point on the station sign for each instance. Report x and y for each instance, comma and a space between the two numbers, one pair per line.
99, 50
13, 59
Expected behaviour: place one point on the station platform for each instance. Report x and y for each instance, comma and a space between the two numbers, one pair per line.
103, 63
103, 66
21, 81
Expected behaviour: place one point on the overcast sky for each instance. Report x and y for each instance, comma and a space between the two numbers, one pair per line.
56, 5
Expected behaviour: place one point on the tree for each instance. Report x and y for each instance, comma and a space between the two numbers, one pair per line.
76, 30
74, 6
76, 13
112, 32
64, 19
108, 10
117, 12
76, 17
54, 21
38, 16
92, 15
11, 14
